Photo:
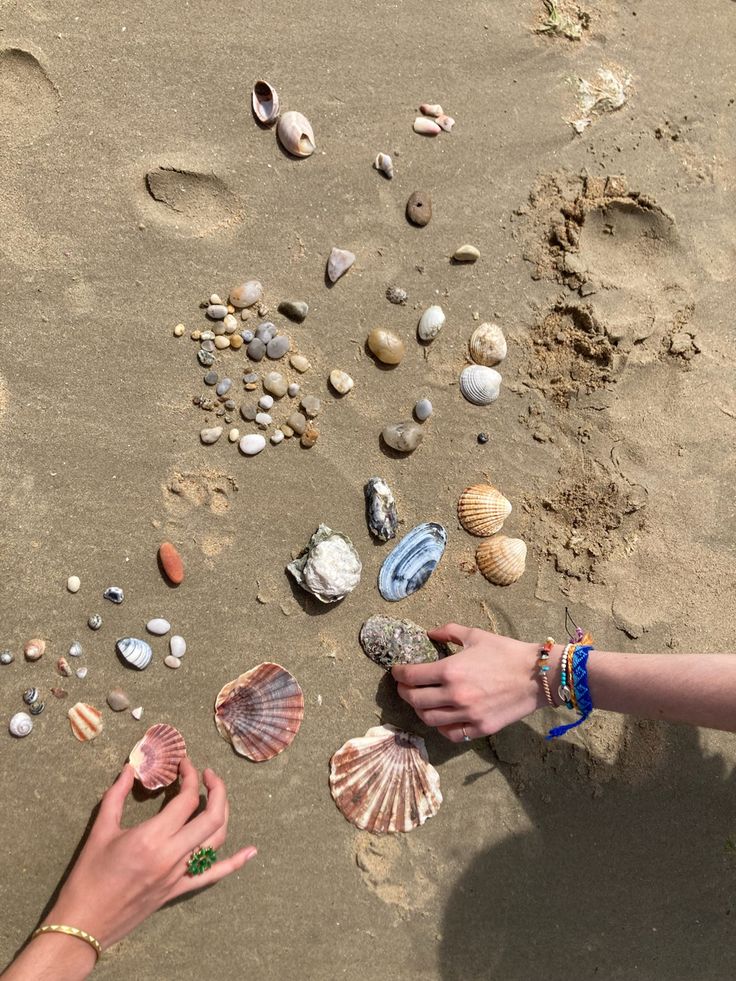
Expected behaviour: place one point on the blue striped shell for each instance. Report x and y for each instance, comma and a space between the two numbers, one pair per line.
135, 652
410, 563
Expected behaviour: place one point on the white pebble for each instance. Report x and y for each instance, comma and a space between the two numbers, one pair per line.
82, 672
137, 712
293, 390
158, 626
423, 409
252, 443
215, 299
172, 662
179, 330
73, 584
266, 402
221, 342
230, 323
277, 437
234, 435
177, 646
263, 419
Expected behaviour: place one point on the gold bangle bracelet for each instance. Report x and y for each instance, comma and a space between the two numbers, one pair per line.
70, 932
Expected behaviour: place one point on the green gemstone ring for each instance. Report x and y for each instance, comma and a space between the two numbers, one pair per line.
201, 860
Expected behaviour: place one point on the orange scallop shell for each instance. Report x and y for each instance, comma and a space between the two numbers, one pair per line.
156, 757
482, 509
260, 712
501, 559
86, 721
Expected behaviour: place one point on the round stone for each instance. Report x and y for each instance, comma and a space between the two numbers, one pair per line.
247, 336
216, 311
423, 409
179, 330
310, 405
118, 700
297, 422
230, 404
294, 309
248, 412
266, 331
172, 662
221, 343
230, 323
404, 437
419, 208
251, 378
275, 384
341, 381
234, 435
264, 420
211, 435
219, 328
252, 444
158, 626
277, 437
256, 349
277, 347
6, 657
210, 378
178, 646
266, 402
293, 390
205, 358
224, 386
483, 438
236, 342
73, 584
94, 622
309, 436
299, 363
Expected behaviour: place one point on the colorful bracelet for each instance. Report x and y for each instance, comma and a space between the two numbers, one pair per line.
564, 692
579, 685
543, 665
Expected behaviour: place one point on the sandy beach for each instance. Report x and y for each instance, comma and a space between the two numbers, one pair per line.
136, 183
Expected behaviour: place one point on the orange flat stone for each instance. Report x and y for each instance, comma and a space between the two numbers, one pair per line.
171, 563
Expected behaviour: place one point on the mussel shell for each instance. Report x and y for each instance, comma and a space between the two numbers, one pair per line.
135, 652
479, 384
482, 509
265, 102
380, 508
501, 559
260, 712
156, 758
389, 641
410, 563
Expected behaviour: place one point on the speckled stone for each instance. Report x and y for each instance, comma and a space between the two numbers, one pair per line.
205, 358
286, 430
256, 349
236, 342
73, 584
221, 343
278, 347
224, 386
211, 378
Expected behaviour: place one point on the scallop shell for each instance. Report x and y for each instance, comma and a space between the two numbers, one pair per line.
20, 725
135, 652
410, 563
431, 323
265, 102
329, 567
383, 782
156, 757
86, 721
260, 712
385, 164
482, 509
487, 345
338, 264
380, 507
501, 559
295, 134
479, 384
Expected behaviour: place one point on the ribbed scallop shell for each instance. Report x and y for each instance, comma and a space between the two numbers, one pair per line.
383, 781
156, 757
501, 559
260, 712
479, 384
410, 563
482, 509
86, 721
487, 345
135, 652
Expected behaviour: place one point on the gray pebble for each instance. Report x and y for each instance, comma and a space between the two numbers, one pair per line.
247, 336
293, 390
219, 328
277, 437
423, 409
248, 412
297, 422
216, 311
210, 378
209, 436
278, 347
230, 404
294, 309
265, 331
256, 349
205, 358
251, 378
208, 346
311, 406
224, 386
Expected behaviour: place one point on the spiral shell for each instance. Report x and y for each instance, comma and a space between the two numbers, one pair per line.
86, 721
482, 509
135, 652
295, 134
385, 164
479, 384
487, 345
383, 782
157, 756
501, 559
20, 725
260, 712
265, 102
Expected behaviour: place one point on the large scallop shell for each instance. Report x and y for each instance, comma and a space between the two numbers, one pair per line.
295, 134
265, 102
410, 563
157, 756
482, 509
501, 559
383, 781
135, 652
260, 712
479, 384
86, 721
487, 345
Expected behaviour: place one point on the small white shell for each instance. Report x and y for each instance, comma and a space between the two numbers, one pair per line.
338, 264
158, 626
426, 127
265, 102
295, 134
76, 649
431, 109
431, 323
20, 725
479, 384
487, 344
385, 164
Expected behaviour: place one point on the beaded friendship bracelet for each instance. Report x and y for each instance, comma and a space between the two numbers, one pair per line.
543, 665
564, 692
579, 689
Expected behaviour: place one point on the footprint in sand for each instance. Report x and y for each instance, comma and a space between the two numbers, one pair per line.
190, 202
208, 489
391, 867
30, 100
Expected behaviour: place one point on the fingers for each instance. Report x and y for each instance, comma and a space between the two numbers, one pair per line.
177, 812
452, 633
218, 871
113, 802
456, 732
415, 675
212, 819
444, 716
423, 698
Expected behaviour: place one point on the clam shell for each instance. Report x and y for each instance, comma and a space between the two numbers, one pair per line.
260, 712
383, 782
265, 102
501, 559
20, 725
431, 323
482, 509
135, 652
338, 264
487, 345
328, 567
156, 757
385, 164
389, 641
295, 134
86, 721
380, 508
410, 563
479, 384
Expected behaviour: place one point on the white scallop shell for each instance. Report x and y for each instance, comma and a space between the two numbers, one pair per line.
479, 384
431, 323
487, 345
20, 725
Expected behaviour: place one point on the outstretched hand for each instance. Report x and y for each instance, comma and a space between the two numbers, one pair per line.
487, 685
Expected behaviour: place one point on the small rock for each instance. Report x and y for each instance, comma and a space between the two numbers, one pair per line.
252, 444
277, 347
263, 419
341, 381
216, 311
294, 309
404, 437
179, 330
114, 594
339, 262
423, 410
256, 349
309, 436
394, 294
75, 649
210, 378
177, 646
299, 363
230, 323
6, 657
311, 406
277, 437
195, 335
234, 435
293, 390
171, 563
246, 294
158, 626
208, 346
247, 336
223, 386
275, 384
59, 692
297, 422
266, 331
205, 358
172, 662
137, 713
118, 700
73, 584
236, 342
251, 378
221, 343
266, 402
483, 438
94, 622
466, 253
419, 208
210, 436
215, 300
248, 412
680, 342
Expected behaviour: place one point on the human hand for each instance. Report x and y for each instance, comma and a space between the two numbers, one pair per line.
489, 684
123, 875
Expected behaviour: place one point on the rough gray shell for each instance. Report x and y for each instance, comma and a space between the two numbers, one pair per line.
329, 567
380, 508
389, 641
410, 563
135, 652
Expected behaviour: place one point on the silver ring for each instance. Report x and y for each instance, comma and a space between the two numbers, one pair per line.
466, 737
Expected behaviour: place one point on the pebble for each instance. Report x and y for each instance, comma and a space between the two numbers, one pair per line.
58, 692
286, 430
297, 422
216, 311
73, 584
210, 436
171, 563
208, 347
294, 309
264, 420
158, 626
341, 381
252, 444
386, 346
275, 384
309, 436
311, 406
6, 657
34, 649
251, 378
256, 349
114, 594
248, 412
293, 390
207, 335
277, 437
466, 253
483, 438
230, 404
419, 208
423, 409
172, 662
224, 386
236, 342
266, 402
137, 713
82, 673
230, 323
394, 294
266, 331
205, 358
221, 343
195, 335
299, 363
178, 646
234, 435
277, 347
404, 437
246, 294
75, 649
179, 330
94, 622
215, 300
118, 700
210, 378
246, 314
247, 336
219, 328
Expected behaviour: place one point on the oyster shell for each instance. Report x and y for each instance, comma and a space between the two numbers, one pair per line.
296, 135
260, 712
383, 782
86, 721
265, 102
389, 641
410, 563
482, 509
135, 652
487, 345
20, 725
156, 757
479, 384
329, 567
380, 509
501, 559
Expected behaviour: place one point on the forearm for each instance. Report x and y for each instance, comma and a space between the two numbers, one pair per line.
52, 956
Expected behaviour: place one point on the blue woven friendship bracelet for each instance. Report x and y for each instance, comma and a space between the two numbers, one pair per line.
579, 682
